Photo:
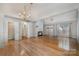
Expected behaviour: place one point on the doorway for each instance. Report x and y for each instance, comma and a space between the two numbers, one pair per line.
24, 30
11, 30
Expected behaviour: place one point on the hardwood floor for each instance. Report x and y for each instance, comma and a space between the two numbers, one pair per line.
40, 46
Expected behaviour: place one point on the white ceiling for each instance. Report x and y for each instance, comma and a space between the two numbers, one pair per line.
39, 10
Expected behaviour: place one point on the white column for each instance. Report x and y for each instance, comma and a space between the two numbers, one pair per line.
30, 30
24, 29
20, 30
1, 34
17, 30
5, 30
78, 26
78, 32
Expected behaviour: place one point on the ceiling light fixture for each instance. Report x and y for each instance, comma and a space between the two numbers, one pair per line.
26, 12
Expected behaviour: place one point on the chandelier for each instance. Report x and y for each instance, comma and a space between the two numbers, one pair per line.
25, 14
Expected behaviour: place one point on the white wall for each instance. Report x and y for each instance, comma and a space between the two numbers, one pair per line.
30, 29
78, 26
63, 18
73, 33
1, 33
1, 29
78, 30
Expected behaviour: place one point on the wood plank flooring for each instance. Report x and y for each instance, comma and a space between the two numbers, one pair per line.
40, 46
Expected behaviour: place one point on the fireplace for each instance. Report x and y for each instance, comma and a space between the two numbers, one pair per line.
40, 33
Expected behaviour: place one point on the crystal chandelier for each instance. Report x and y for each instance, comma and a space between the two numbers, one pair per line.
26, 12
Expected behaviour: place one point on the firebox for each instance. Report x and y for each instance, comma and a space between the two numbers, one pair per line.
40, 33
